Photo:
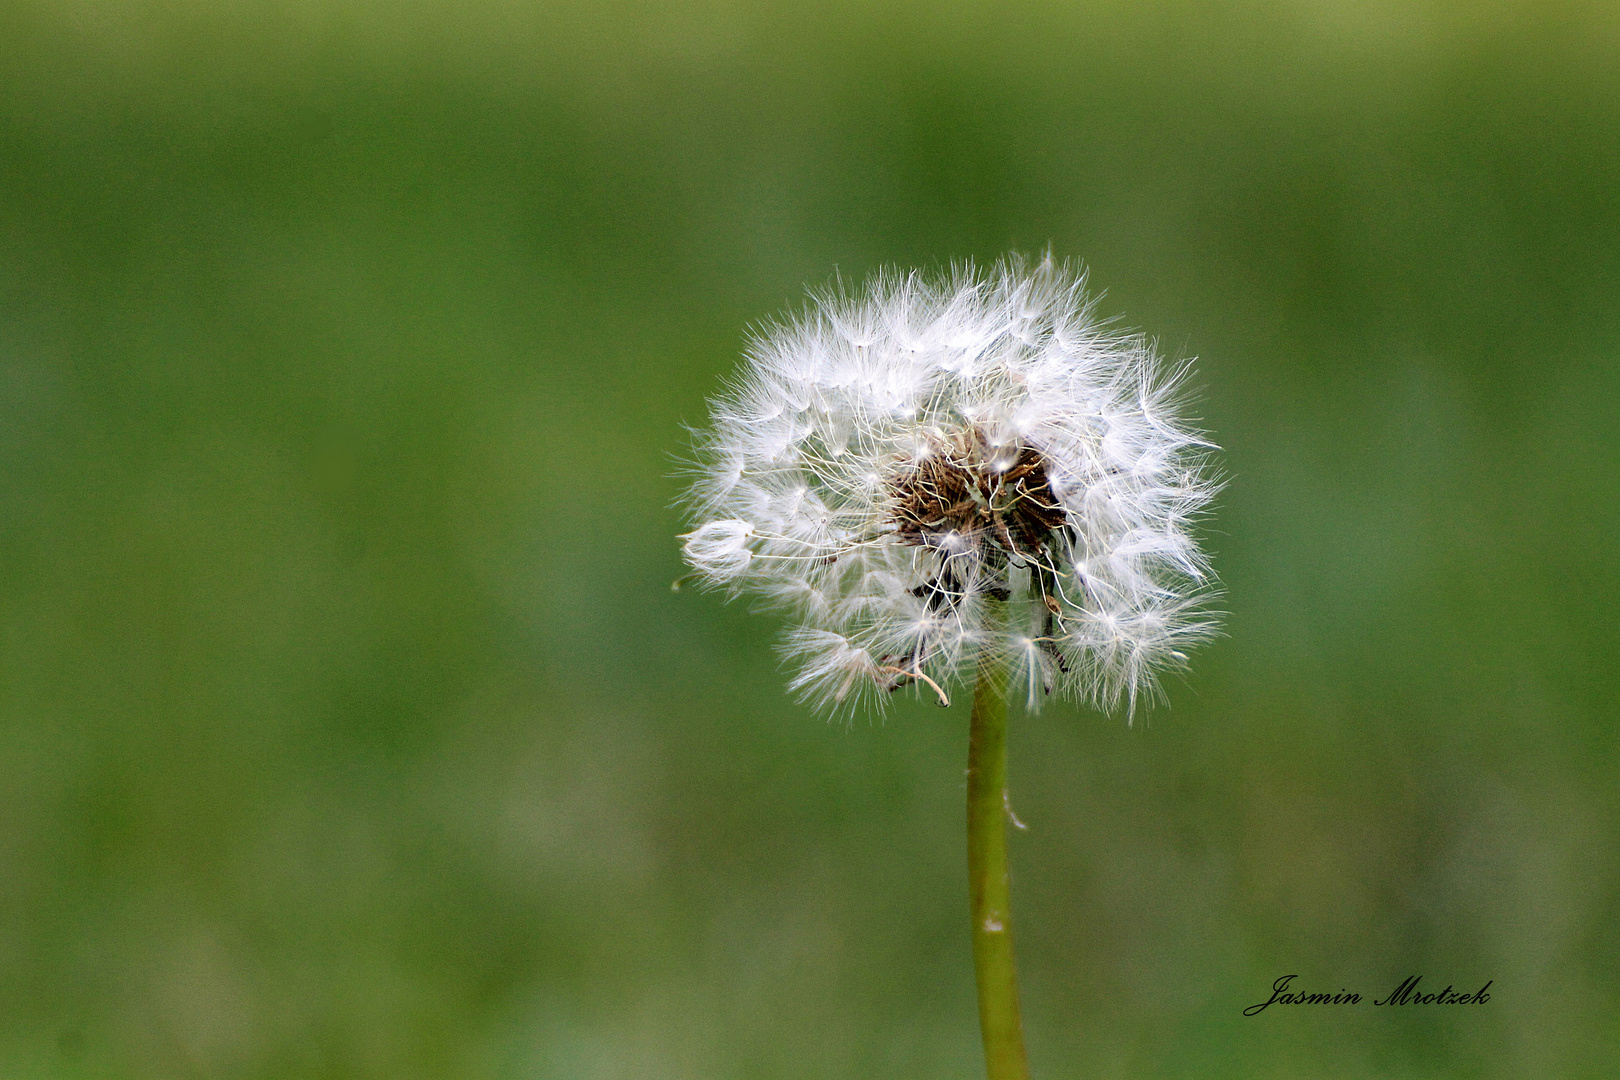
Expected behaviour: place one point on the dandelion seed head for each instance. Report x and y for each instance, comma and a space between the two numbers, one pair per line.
895, 460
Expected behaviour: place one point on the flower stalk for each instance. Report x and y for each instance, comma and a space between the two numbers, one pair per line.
988, 885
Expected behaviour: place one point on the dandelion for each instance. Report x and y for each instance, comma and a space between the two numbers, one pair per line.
967, 479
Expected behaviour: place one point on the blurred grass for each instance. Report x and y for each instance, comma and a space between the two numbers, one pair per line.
348, 726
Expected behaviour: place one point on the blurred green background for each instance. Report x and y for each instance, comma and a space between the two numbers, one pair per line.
348, 726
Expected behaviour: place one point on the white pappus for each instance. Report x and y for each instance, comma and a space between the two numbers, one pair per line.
933, 474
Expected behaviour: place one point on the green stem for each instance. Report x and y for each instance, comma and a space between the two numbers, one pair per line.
988, 886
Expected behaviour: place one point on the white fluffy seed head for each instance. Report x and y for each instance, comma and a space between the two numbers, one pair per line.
930, 473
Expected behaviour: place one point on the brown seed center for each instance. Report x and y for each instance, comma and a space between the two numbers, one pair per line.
967, 495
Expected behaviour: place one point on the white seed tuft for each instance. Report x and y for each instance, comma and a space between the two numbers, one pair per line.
718, 550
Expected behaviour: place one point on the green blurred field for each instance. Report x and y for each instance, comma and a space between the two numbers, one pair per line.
348, 726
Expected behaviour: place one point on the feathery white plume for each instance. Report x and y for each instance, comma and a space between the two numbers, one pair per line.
894, 461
